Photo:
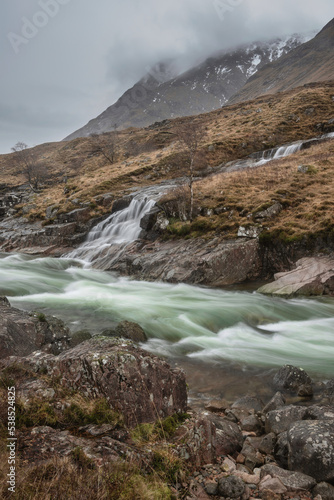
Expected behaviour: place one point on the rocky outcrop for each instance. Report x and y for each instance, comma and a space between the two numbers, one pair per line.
22, 333
140, 386
194, 261
311, 276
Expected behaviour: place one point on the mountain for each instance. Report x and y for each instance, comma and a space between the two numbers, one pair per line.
206, 87
312, 61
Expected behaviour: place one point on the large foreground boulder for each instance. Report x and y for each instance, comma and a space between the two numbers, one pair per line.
140, 386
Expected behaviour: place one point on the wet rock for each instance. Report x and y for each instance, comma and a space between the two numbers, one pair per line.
198, 261
231, 487
149, 220
276, 402
22, 334
311, 448
325, 490
292, 480
278, 421
248, 403
130, 330
121, 204
293, 379
312, 276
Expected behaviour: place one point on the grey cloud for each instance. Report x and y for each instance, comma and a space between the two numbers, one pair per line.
89, 53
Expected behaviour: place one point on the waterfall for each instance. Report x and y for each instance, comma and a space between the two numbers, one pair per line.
110, 236
279, 152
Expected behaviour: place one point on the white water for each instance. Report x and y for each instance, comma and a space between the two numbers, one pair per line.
258, 159
210, 325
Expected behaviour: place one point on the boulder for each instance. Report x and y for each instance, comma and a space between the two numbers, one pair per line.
270, 212
276, 402
278, 421
293, 481
325, 490
149, 220
311, 276
248, 403
292, 379
229, 437
22, 333
142, 387
231, 487
311, 448
130, 330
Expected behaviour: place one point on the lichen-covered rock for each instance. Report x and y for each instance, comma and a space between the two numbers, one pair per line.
280, 420
311, 448
130, 330
22, 334
325, 490
276, 402
229, 438
293, 481
195, 440
248, 403
140, 386
231, 487
293, 379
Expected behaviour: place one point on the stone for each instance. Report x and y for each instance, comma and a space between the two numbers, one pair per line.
231, 487
267, 444
311, 276
253, 458
293, 379
77, 215
325, 490
281, 450
252, 424
292, 480
272, 484
276, 402
248, 403
130, 330
22, 333
213, 262
195, 440
217, 406
270, 212
229, 438
311, 448
211, 488
249, 231
121, 204
149, 220
79, 336
278, 421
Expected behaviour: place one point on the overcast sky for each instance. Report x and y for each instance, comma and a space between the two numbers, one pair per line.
64, 61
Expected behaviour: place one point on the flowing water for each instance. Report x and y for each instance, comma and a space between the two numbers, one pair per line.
228, 341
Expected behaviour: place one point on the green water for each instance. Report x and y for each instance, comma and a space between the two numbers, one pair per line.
198, 325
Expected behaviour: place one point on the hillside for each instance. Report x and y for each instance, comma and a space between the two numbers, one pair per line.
312, 61
149, 156
203, 88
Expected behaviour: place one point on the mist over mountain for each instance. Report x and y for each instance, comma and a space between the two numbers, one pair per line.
163, 93
312, 61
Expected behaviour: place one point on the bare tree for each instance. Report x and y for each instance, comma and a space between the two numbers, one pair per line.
34, 171
190, 134
104, 144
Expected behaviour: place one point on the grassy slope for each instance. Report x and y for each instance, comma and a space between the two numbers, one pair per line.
232, 132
